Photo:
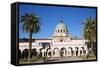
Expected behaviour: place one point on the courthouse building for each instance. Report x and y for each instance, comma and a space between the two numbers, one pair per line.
61, 44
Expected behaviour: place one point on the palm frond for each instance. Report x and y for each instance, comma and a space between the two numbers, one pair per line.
31, 22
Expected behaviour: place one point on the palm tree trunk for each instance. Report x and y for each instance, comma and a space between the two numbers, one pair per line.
92, 49
30, 46
89, 45
91, 52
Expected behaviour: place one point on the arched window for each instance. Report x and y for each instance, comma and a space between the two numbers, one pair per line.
61, 40
34, 52
64, 30
58, 30
25, 53
61, 30
63, 52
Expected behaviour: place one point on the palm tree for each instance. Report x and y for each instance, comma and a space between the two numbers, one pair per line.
30, 24
90, 32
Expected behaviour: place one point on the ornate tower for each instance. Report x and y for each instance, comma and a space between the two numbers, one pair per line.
61, 33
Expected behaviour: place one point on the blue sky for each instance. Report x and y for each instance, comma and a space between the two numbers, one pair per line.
52, 15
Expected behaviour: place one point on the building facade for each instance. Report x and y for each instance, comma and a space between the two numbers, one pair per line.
60, 45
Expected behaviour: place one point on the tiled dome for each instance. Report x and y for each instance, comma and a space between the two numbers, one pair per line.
61, 26
61, 29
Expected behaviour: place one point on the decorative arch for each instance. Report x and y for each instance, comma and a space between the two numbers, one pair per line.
83, 52
63, 52
70, 51
55, 49
76, 48
64, 30
58, 31
43, 53
25, 53
34, 52
49, 52
56, 52
61, 30
40, 52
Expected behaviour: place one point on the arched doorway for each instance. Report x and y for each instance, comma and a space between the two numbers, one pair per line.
49, 52
76, 48
25, 53
56, 52
43, 52
63, 52
70, 51
82, 51
40, 52
34, 52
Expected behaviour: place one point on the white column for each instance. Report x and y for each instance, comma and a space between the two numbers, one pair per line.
86, 52
82, 52
51, 54
67, 52
47, 53
64, 53
38, 52
42, 54
57, 54
86, 49
79, 52
74, 52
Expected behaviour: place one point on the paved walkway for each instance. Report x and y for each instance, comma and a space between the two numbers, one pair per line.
59, 60
65, 59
